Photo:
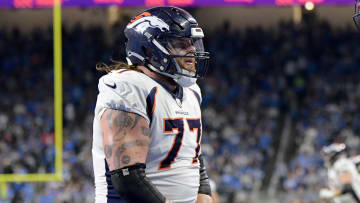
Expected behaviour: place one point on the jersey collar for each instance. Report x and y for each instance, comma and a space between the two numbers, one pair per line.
179, 92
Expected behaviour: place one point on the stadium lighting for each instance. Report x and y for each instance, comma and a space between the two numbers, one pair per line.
309, 6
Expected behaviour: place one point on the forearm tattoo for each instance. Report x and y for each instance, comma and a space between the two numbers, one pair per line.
128, 145
125, 159
108, 151
121, 123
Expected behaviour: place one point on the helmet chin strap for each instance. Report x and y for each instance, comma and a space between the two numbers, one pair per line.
184, 81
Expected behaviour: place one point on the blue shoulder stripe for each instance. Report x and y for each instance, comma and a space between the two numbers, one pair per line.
151, 102
197, 96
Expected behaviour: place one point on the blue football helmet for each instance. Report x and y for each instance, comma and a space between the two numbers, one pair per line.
150, 36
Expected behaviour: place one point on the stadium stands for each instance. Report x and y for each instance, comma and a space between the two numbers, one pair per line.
256, 77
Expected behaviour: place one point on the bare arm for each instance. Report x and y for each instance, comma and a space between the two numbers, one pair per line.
126, 138
345, 178
203, 198
215, 196
126, 142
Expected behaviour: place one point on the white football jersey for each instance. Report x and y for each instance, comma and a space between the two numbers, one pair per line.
175, 124
340, 166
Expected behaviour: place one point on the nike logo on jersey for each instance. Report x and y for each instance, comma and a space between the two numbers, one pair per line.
112, 86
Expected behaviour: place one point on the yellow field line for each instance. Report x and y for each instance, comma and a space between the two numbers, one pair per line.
36, 177
58, 116
3, 188
58, 87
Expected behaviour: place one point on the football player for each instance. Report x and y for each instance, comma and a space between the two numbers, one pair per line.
343, 177
147, 125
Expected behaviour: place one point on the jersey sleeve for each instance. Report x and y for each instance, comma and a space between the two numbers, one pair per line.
121, 94
197, 92
345, 165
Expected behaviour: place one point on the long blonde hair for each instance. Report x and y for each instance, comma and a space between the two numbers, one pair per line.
116, 65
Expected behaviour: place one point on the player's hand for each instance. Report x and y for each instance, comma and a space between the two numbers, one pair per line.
167, 201
202, 198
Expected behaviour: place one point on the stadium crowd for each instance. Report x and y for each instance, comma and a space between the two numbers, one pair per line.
326, 108
255, 77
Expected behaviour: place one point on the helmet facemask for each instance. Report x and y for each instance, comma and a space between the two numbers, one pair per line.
356, 16
185, 56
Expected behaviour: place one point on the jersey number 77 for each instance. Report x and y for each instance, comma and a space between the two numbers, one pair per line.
172, 124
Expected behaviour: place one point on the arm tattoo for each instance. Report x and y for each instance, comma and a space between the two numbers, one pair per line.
122, 124
145, 131
108, 151
122, 120
137, 117
125, 159
128, 145
108, 119
118, 121
118, 138
120, 150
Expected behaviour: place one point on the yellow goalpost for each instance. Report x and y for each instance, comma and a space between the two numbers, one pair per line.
58, 116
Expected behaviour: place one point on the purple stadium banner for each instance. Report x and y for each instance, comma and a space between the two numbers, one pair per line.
148, 3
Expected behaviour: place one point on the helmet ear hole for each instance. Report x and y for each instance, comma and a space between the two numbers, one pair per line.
147, 52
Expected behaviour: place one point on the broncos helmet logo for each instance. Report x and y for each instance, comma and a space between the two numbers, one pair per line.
144, 22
